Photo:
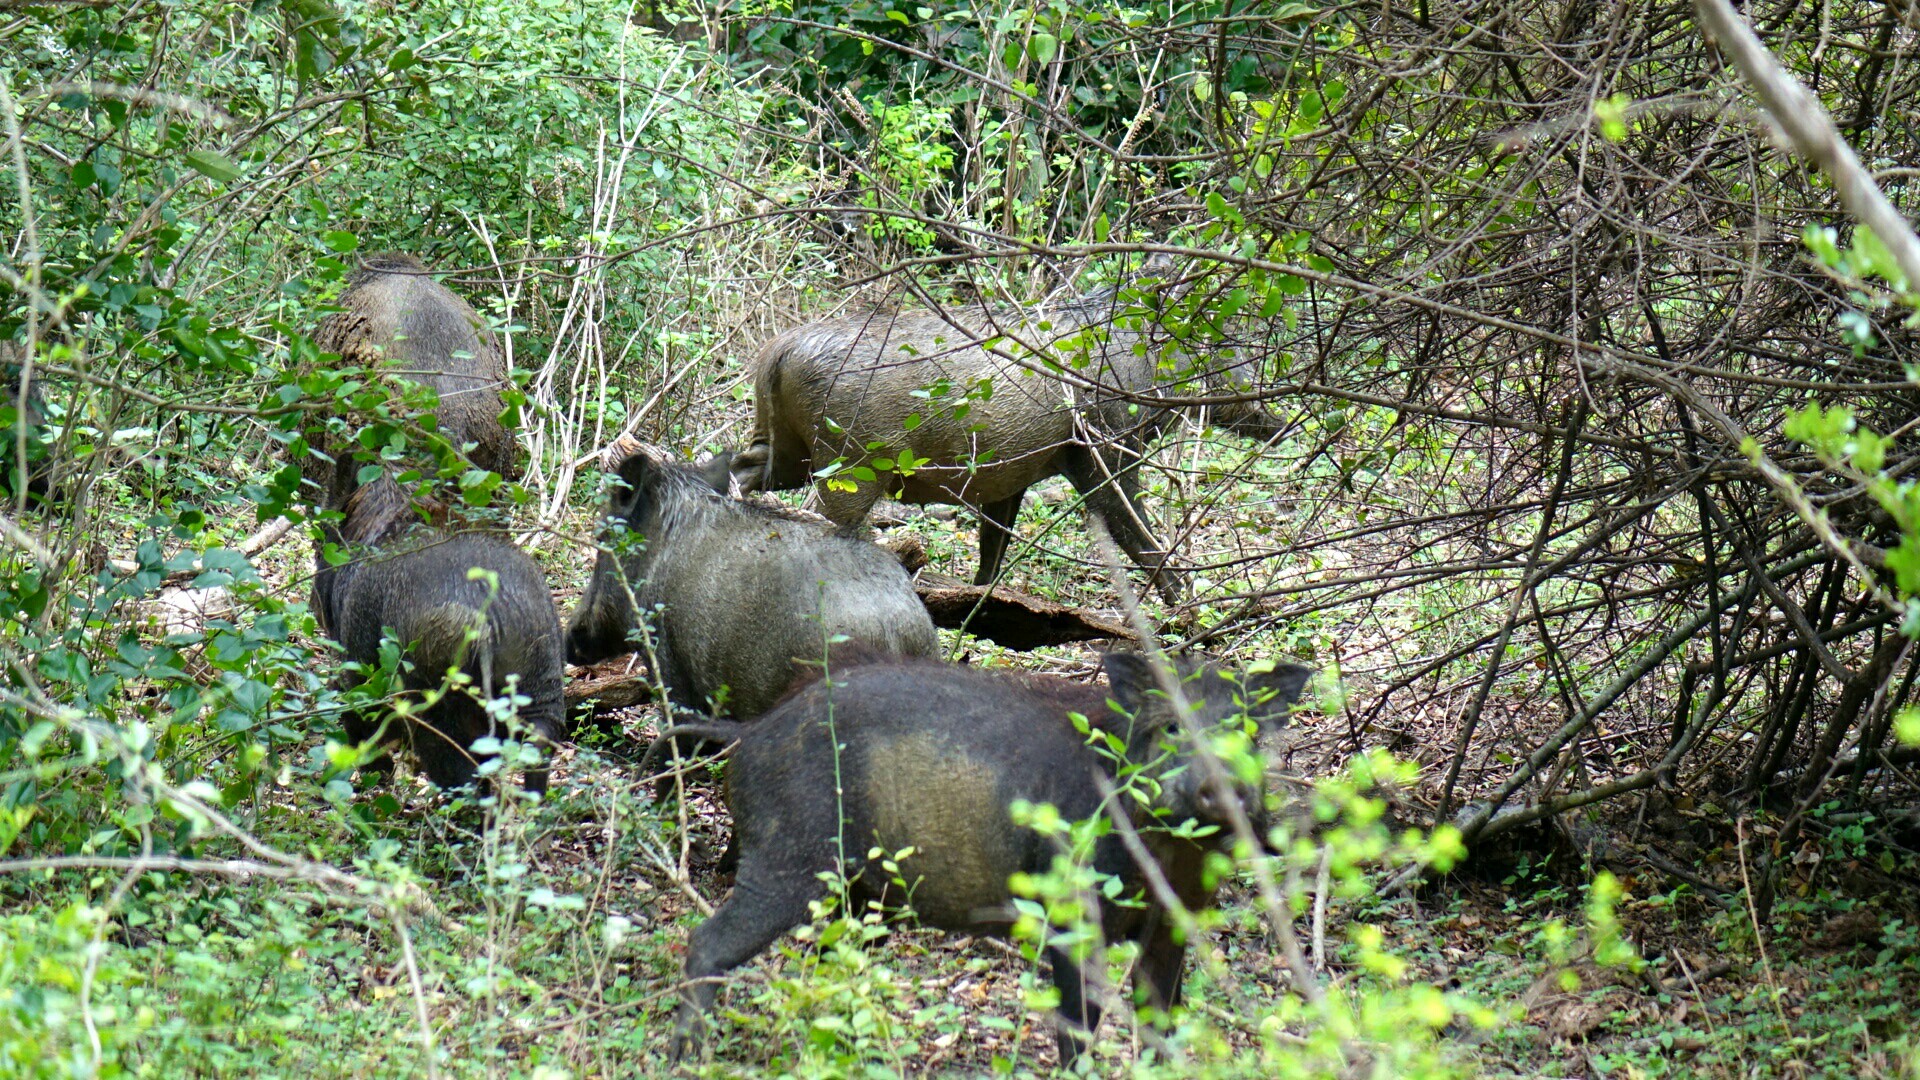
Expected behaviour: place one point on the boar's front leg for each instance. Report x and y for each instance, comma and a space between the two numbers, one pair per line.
763, 906
359, 728
1163, 958
849, 509
1079, 1014
1109, 481
996, 524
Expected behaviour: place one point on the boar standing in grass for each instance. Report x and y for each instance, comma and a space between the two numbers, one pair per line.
396, 317
979, 425
932, 757
411, 581
737, 591
23, 413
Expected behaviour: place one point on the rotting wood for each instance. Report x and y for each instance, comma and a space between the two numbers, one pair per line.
1014, 619
620, 683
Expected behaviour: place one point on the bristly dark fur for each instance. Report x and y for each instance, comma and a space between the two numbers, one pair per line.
379, 512
386, 262
410, 578
394, 317
736, 591
898, 755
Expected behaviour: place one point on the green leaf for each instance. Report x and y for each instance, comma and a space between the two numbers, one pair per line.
1043, 48
1202, 87
1612, 114
1904, 561
1906, 726
213, 165
1823, 242
342, 242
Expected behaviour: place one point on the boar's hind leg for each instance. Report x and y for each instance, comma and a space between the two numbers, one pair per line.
1113, 493
1156, 980
849, 509
1079, 1014
441, 739
359, 728
996, 524
762, 907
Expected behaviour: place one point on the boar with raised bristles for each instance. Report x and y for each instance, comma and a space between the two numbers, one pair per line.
736, 591
411, 581
885, 755
979, 424
395, 317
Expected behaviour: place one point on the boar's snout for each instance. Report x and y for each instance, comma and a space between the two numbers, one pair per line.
1213, 803
584, 646
591, 637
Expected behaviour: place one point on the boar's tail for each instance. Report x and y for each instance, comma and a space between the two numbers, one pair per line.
719, 731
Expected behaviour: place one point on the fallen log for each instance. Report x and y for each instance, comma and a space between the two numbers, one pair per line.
1011, 618
616, 684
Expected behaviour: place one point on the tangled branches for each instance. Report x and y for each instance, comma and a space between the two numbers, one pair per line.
1548, 310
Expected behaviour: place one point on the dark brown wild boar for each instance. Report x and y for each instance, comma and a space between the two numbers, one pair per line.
737, 590
394, 315
981, 428
23, 424
411, 580
893, 754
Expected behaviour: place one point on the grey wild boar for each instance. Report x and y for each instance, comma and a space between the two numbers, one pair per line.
411, 580
980, 427
932, 757
737, 590
23, 413
395, 316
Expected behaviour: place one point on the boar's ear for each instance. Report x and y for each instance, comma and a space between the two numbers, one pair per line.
1280, 688
717, 472
638, 470
1130, 675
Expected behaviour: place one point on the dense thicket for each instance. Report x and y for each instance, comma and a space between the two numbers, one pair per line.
1544, 293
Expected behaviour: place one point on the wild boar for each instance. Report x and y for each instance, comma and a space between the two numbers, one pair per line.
874, 390
894, 754
24, 412
411, 580
738, 590
395, 316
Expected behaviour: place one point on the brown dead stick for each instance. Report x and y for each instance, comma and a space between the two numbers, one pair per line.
1007, 616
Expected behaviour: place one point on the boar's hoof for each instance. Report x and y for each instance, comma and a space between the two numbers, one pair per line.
688, 1033
1072, 1042
1171, 585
